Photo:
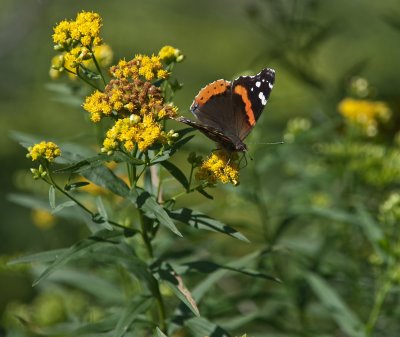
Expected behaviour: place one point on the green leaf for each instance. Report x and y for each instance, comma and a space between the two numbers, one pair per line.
175, 282
73, 186
199, 220
103, 212
104, 291
160, 333
48, 256
209, 267
152, 208
176, 173
207, 283
98, 160
68, 203
52, 197
104, 177
168, 153
204, 193
335, 306
78, 250
371, 229
130, 314
201, 327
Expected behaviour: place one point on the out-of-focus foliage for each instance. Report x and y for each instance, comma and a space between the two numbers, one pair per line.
321, 211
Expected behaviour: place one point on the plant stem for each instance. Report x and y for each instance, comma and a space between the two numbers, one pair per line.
149, 248
98, 67
379, 299
52, 182
83, 79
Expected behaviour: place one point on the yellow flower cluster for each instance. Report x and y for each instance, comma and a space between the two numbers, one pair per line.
221, 166
77, 40
124, 98
142, 66
46, 150
364, 113
128, 132
85, 30
169, 54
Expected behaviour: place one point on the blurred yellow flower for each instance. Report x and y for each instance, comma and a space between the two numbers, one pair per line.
43, 219
220, 166
364, 113
170, 54
45, 150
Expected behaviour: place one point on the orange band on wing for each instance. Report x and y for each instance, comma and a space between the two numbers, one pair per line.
242, 91
212, 89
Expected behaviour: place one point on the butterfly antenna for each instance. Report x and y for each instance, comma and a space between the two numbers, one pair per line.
273, 143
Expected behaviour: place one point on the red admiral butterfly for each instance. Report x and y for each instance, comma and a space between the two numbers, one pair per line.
228, 111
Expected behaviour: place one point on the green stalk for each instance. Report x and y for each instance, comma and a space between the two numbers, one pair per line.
379, 300
52, 182
98, 67
149, 248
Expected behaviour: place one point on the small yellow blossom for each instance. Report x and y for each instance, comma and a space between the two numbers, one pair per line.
170, 54
43, 219
364, 113
141, 66
85, 30
45, 150
221, 166
128, 133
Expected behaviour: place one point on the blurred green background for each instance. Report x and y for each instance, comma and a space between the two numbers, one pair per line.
314, 46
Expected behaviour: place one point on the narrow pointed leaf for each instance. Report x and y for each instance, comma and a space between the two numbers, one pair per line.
52, 197
160, 333
201, 221
48, 256
103, 212
339, 311
68, 203
131, 313
201, 327
175, 282
151, 207
79, 249
176, 173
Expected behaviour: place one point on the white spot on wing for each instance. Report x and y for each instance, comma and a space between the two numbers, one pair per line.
270, 85
258, 84
262, 97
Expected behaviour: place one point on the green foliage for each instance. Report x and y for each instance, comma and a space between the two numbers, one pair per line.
307, 245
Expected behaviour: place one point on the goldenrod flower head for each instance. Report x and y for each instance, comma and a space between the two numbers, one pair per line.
84, 30
43, 219
126, 98
220, 166
46, 150
364, 113
127, 133
141, 66
169, 54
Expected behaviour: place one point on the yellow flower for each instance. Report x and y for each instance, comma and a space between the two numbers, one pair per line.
43, 219
221, 166
126, 98
61, 32
46, 150
148, 67
85, 30
128, 133
364, 113
170, 54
